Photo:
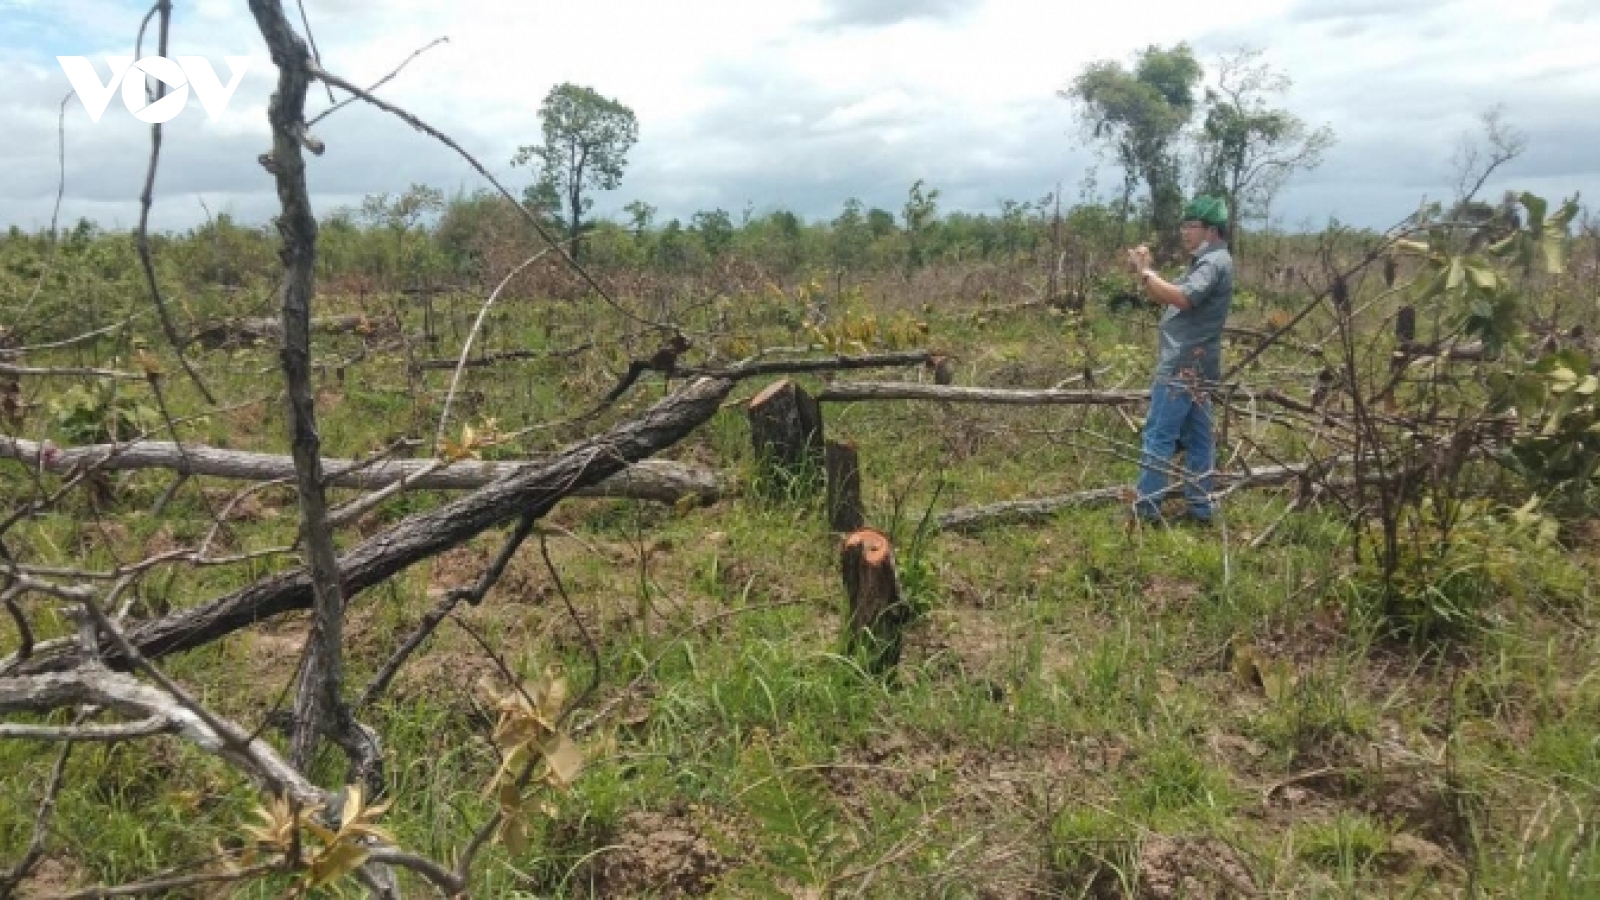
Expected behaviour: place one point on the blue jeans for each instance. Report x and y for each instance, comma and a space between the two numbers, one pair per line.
1180, 409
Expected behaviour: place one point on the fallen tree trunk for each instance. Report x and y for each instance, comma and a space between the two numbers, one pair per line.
532, 490
253, 332
1013, 512
489, 359
839, 363
1261, 337
650, 479
909, 390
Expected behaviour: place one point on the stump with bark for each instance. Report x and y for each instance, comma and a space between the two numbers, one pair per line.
1405, 324
843, 465
786, 434
878, 616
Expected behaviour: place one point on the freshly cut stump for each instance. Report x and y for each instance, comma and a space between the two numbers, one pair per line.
843, 465
878, 616
786, 434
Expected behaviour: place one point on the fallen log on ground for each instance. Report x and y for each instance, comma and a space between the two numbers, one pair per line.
910, 390
1013, 512
254, 332
758, 368
489, 359
533, 491
1261, 337
651, 479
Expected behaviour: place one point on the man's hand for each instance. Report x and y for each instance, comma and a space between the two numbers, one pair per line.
1139, 259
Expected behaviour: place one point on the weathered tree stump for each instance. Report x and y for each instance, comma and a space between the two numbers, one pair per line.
878, 616
1405, 324
843, 465
786, 433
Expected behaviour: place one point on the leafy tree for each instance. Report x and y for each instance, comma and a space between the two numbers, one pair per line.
640, 217
715, 228
849, 237
400, 214
1015, 236
919, 215
585, 149
1139, 114
672, 248
777, 241
1248, 149
880, 222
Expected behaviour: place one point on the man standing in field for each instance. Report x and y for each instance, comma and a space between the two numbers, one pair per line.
1188, 360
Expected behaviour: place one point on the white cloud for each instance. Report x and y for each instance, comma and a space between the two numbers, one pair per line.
801, 104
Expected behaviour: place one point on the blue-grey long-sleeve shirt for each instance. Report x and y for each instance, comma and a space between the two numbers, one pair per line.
1191, 339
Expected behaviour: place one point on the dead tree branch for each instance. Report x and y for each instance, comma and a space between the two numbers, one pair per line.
660, 480
319, 705
882, 390
142, 237
533, 489
1010, 512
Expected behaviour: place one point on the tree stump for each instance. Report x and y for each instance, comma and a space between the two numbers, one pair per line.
843, 465
878, 617
944, 370
1405, 325
786, 433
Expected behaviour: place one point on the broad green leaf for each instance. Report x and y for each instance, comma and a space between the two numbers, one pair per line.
1427, 288
1569, 402
1483, 277
1536, 207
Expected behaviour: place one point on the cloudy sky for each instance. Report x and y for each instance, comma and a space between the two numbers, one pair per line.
800, 104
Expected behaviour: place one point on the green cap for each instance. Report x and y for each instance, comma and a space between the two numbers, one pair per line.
1210, 210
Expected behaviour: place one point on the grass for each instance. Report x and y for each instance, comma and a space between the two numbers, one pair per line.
1068, 698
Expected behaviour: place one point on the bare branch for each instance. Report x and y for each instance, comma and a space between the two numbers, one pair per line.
650, 479
472, 335
175, 883
61, 189
376, 84
883, 390
535, 489
1505, 143
473, 596
142, 237
127, 694
319, 709
68, 371
122, 731
41, 825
